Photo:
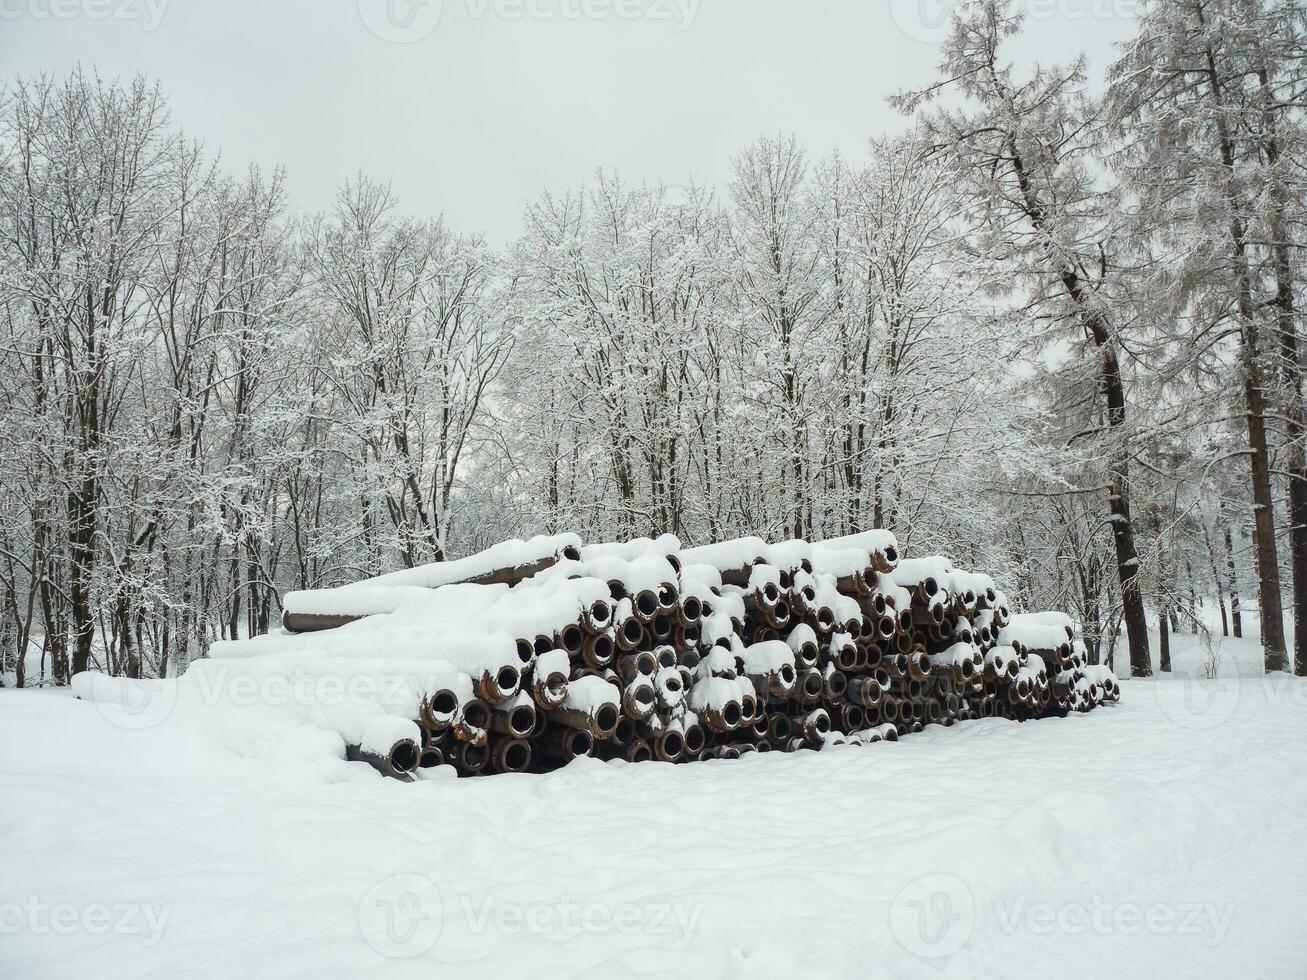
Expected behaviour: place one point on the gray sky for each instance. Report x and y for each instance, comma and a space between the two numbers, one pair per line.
476, 112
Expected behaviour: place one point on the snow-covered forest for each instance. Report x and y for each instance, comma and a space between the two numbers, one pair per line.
1050, 328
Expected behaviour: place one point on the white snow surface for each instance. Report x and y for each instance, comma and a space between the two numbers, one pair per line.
1159, 838
726, 555
875, 540
767, 657
505, 554
840, 561
473, 627
664, 544
1032, 632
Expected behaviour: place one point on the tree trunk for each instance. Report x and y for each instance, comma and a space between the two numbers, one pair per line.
1268, 561
1109, 380
1291, 369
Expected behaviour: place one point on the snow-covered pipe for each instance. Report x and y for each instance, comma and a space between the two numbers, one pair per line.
592, 704
881, 545
390, 745
730, 558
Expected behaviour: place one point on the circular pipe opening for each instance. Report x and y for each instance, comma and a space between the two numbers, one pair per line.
639, 752
508, 679
787, 674
624, 732
782, 612
891, 554
731, 714
404, 756
812, 686
646, 603
571, 552
571, 638
838, 684
662, 626
694, 738
603, 647
600, 613
444, 703
517, 756
525, 651
543, 644
692, 608
672, 745
522, 720
476, 714
475, 757
667, 596
580, 742
606, 718
432, 756
770, 592
666, 656
821, 723
617, 589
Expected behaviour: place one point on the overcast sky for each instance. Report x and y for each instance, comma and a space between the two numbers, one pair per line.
472, 107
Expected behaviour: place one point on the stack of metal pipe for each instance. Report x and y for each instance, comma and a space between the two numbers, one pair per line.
645, 650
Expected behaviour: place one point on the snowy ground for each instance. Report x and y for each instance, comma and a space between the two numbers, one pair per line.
1158, 838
